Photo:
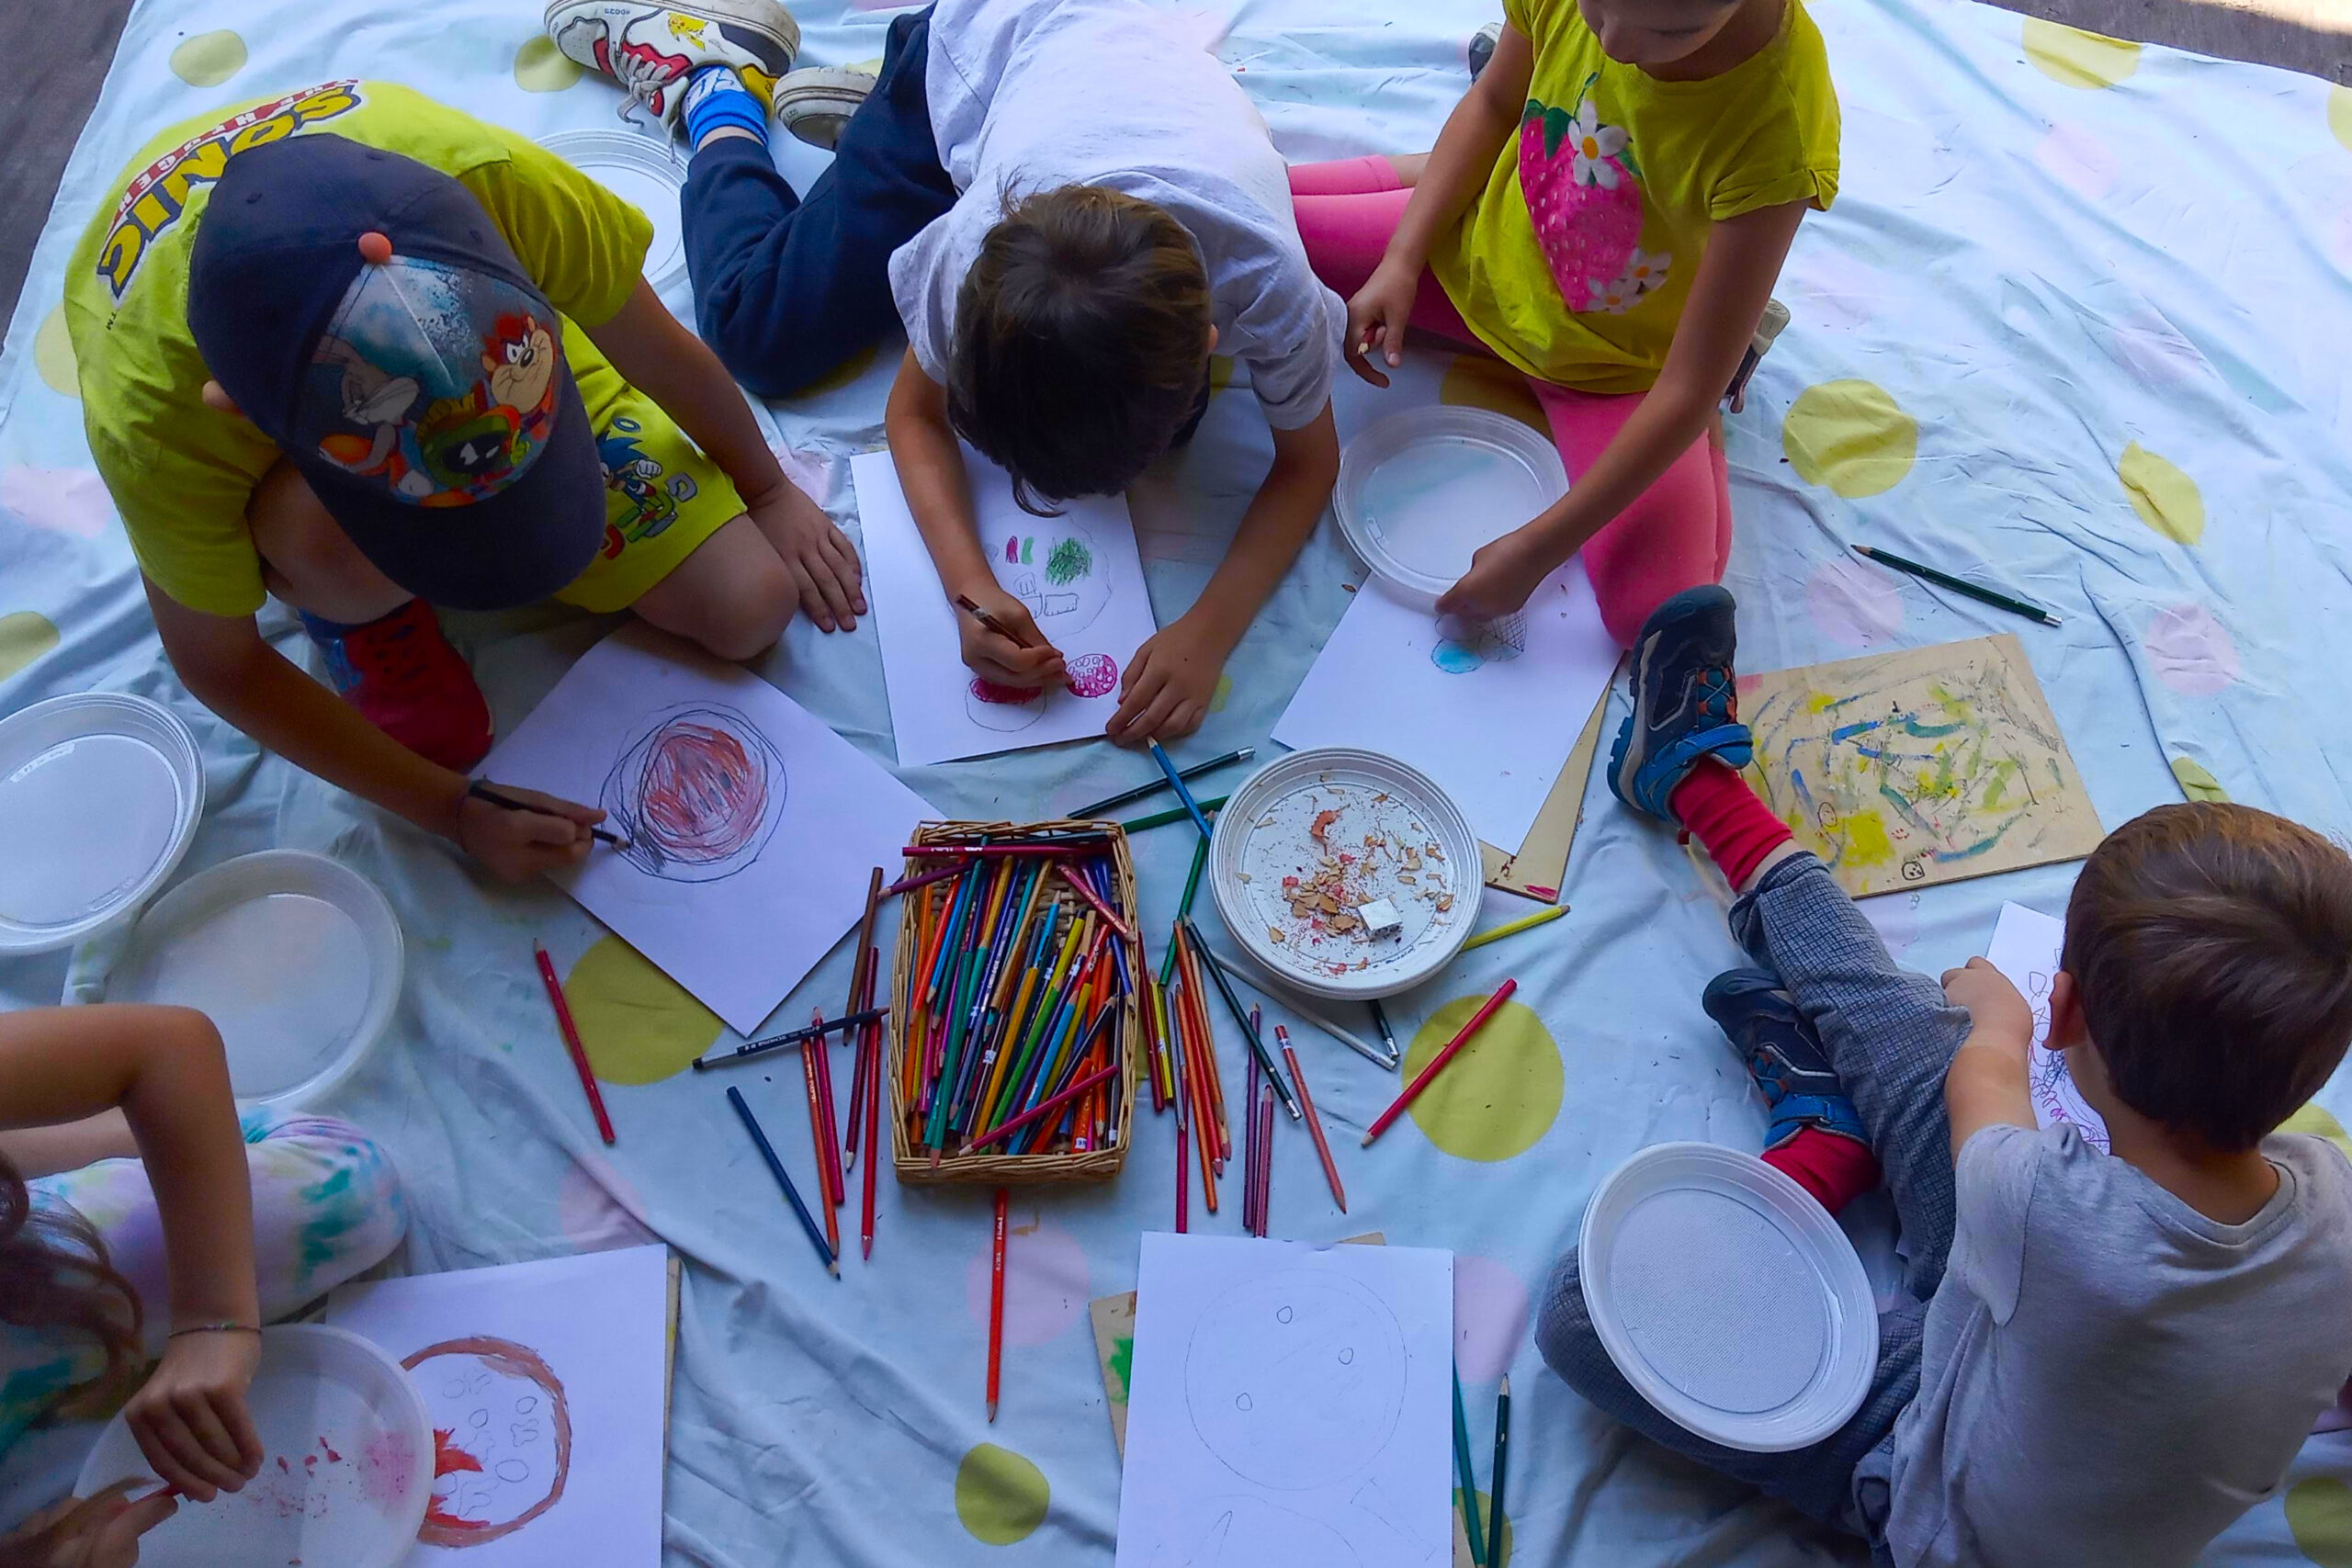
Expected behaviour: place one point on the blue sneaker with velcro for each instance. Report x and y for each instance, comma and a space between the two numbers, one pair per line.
1685, 706
1783, 1054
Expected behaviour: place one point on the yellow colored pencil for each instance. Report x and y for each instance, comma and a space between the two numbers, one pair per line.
1512, 928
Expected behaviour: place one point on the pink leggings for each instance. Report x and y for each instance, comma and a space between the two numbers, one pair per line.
1676, 536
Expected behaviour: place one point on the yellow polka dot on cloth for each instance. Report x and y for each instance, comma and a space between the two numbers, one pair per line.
1497, 1554
2165, 499
2319, 1512
2197, 782
1000, 1496
53, 355
1849, 436
638, 1025
24, 637
2076, 58
541, 67
2339, 114
209, 59
1499, 1094
2318, 1120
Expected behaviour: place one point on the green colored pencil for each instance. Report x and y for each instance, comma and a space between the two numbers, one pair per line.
1174, 814
1192, 882
1958, 585
1472, 1526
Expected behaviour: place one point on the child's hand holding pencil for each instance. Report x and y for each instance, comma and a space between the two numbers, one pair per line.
1002, 642
519, 833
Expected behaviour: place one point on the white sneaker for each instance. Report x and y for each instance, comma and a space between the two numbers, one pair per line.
651, 48
816, 101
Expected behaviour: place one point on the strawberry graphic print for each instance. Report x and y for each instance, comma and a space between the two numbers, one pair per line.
1583, 189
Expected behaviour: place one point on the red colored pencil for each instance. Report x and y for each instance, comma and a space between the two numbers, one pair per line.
922, 879
817, 1123
1087, 892
996, 1302
858, 990
1313, 1122
1438, 1062
1092, 1081
872, 1108
572, 1042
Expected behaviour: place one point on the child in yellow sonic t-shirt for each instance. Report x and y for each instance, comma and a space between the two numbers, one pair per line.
365, 490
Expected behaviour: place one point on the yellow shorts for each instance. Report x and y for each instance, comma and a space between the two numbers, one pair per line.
663, 496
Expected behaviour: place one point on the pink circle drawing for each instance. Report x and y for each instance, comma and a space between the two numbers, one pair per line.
1004, 709
1094, 675
696, 795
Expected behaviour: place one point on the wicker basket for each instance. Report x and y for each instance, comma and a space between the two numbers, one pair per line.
991, 1165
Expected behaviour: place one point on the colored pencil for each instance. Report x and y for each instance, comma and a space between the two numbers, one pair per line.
1098, 842
1095, 1079
1257, 1043
821, 1133
783, 1179
1380, 1021
1002, 630
1502, 1468
572, 1042
792, 1037
1174, 814
908, 884
1177, 1089
1265, 1156
1471, 1525
1102, 906
1512, 928
1176, 783
482, 792
858, 990
1096, 809
872, 1108
1361, 1047
1438, 1062
1197, 1018
996, 1300
2031, 612
1313, 1122
1249, 1151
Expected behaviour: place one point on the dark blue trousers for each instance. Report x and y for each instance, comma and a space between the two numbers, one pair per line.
787, 288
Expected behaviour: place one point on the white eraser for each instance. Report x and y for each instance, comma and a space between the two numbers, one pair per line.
1381, 917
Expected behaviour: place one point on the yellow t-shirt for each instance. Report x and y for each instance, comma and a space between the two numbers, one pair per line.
180, 472
1574, 261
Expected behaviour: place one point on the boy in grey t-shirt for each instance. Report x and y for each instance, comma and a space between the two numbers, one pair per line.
2107, 1357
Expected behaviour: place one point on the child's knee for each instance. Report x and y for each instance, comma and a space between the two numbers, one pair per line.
748, 611
300, 541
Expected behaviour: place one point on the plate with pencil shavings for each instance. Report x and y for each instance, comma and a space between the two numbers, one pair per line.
1420, 491
1345, 874
296, 959
99, 796
1728, 1297
647, 173
347, 1461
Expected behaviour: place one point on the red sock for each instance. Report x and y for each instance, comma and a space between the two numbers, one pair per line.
1737, 830
1834, 1170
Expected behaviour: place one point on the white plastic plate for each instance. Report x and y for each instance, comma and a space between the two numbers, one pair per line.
1728, 1298
647, 173
346, 1467
99, 796
1421, 490
1425, 860
295, 958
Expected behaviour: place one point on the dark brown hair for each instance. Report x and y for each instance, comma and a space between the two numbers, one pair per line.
1081, 341
2212, 947
55, 1276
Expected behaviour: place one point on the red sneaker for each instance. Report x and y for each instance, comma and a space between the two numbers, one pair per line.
402, 674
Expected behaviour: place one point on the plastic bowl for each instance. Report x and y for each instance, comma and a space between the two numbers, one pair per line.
1420, 491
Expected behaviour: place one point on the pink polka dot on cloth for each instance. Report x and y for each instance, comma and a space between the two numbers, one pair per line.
595, 1211
1490, 1316
1854, 603
2191, 652
2078, 160
64, 500
1044, 1283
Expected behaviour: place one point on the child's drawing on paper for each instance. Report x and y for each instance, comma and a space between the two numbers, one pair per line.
2026, 947
501, 1438
1463, 645
696, 795
1908, 769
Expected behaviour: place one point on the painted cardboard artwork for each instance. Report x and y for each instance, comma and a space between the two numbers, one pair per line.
1932, 764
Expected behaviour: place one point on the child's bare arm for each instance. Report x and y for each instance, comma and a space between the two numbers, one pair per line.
1987, 1085
224, 662
1727, 298
1166, 691
1458, 168
930, 470
655, 353
164, 1066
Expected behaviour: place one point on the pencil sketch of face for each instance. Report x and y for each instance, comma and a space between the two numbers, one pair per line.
1242, 1528
1055, 567
501, 1438
1296, 1381
696, 795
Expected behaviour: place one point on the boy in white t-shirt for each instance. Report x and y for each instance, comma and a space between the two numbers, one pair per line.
1069, 204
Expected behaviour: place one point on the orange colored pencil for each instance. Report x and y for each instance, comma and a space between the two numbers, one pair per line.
1313, 1122
817, 1136
1198, 996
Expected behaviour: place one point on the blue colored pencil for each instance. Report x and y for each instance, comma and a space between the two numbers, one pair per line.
783, 1179
965, 895
1176, 783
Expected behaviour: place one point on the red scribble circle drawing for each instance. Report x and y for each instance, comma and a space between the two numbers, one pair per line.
1004, 709
696, 795
501, 1438
1094, 675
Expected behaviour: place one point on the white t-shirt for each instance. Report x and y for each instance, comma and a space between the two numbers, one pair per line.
1035, 95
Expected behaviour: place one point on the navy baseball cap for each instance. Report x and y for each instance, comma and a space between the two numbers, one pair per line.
420, 385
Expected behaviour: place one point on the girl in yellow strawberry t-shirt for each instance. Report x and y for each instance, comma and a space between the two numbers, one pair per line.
1607, 210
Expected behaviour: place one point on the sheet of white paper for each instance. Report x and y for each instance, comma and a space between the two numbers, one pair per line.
1289, 1405
2026, 944
1491, 724
1079, 575
753, 826
545, 1383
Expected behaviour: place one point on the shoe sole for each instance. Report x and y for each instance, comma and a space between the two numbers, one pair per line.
814, 104
1631, 752
736, 13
